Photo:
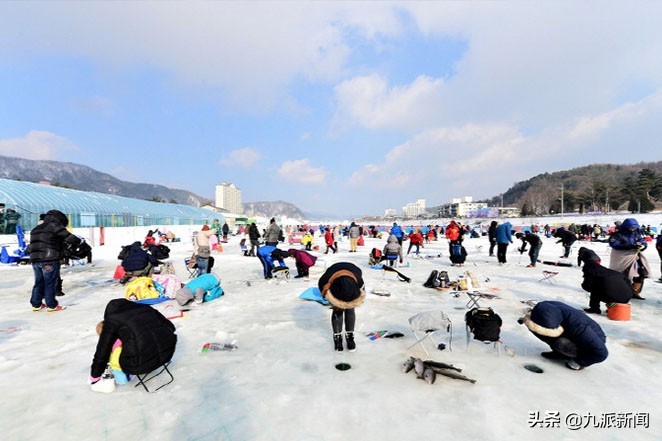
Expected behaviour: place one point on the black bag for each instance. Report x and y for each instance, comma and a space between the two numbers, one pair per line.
79, 252
437, 279
430, 283
125, 252
484, 324
162, 252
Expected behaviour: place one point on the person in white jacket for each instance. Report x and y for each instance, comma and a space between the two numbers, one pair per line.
201, 248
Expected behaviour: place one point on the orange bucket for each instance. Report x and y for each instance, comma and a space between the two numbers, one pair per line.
619, 311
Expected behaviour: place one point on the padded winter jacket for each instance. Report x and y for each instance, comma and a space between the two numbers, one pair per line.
453, 231
550, 320
49, 239
396, 230
148, 338
624, 239
303, 259
608, 285
273, 233
393, 247
503, 233
137, 259
566, 237
253, 232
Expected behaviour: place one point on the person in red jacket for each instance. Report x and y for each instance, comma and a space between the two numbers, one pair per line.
303, 261
453, 232
415, 239
330, 242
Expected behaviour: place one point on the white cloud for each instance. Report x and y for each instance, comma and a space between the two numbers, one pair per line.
250, 52
368, 101
301, 171
37, 144
244, 158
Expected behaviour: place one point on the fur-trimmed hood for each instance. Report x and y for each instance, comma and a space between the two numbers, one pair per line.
340, 304
541, 330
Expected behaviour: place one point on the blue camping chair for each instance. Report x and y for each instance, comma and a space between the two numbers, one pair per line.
17, 256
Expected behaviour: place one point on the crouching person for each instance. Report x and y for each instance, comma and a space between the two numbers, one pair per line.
604, 284
137, 262
572, 335
147, 340
203, 288
303, 261
342, 285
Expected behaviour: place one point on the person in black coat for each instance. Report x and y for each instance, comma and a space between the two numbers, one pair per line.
566, 238
254, 236
604, 284
47, 243
570, 333
148, 338
137, 262
342, 285
491, 234
534, 251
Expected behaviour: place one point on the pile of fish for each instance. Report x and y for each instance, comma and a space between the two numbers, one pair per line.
427, 370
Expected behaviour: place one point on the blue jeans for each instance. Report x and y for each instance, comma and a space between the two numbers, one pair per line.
203, 263
46, 275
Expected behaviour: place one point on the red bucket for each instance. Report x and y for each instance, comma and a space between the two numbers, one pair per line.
619, 311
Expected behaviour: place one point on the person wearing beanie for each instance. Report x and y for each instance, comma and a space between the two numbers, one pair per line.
572, 335
342, 285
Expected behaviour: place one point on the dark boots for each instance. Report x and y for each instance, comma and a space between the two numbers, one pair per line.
337, 342
349, 337
636, 290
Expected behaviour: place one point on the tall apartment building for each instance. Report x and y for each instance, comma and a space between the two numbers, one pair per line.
414, 208
228, 197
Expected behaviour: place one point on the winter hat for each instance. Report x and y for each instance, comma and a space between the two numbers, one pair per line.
183, 296
345, 293
205, 227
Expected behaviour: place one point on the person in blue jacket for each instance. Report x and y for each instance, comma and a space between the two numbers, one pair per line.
204, 288
627, 245
504, 236
572, 335
396, 230
267, 254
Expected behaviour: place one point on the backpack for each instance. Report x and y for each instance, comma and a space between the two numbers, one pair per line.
79, 252
432, 279
484, 324
125, 252
160, 251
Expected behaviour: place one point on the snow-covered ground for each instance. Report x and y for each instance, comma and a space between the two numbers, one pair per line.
281, 384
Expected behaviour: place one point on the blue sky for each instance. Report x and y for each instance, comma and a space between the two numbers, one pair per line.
343, 108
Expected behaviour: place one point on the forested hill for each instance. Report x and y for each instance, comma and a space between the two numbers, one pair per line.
635, 187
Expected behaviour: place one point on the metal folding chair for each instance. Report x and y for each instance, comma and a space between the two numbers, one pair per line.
428, 323
474, 297
192, 272
549, 276
143, 379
